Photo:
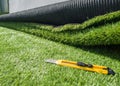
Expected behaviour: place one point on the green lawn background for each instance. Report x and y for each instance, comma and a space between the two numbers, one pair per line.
22, 62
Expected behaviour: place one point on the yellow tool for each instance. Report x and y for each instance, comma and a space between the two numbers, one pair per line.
83, 66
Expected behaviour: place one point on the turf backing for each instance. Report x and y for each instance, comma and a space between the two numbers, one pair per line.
22, 62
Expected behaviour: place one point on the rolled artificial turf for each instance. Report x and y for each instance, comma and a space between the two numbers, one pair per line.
93, 32
94, 22
71, 11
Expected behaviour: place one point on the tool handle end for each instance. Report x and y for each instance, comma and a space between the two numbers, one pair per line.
110, 71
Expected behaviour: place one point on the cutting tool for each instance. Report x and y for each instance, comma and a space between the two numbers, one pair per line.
83, 66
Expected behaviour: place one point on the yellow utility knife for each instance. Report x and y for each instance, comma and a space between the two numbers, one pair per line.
83, 66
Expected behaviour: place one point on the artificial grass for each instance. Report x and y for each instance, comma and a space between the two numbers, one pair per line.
108, 34
101, 30
2, 13
94, 22
22, 62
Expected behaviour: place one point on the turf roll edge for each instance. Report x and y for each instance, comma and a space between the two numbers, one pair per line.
108, 34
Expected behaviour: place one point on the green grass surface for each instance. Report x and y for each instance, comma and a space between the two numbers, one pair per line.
101, 30
94, 22
22, 55
1, 13
108, 34
22, 62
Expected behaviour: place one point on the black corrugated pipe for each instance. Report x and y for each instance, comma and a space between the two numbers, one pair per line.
72, 11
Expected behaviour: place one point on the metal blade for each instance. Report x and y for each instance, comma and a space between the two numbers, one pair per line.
51, 61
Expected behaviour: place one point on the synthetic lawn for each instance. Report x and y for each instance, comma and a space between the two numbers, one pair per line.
101, 30
22, 62
22, 55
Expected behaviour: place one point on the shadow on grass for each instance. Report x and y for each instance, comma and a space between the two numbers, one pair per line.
112, 51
